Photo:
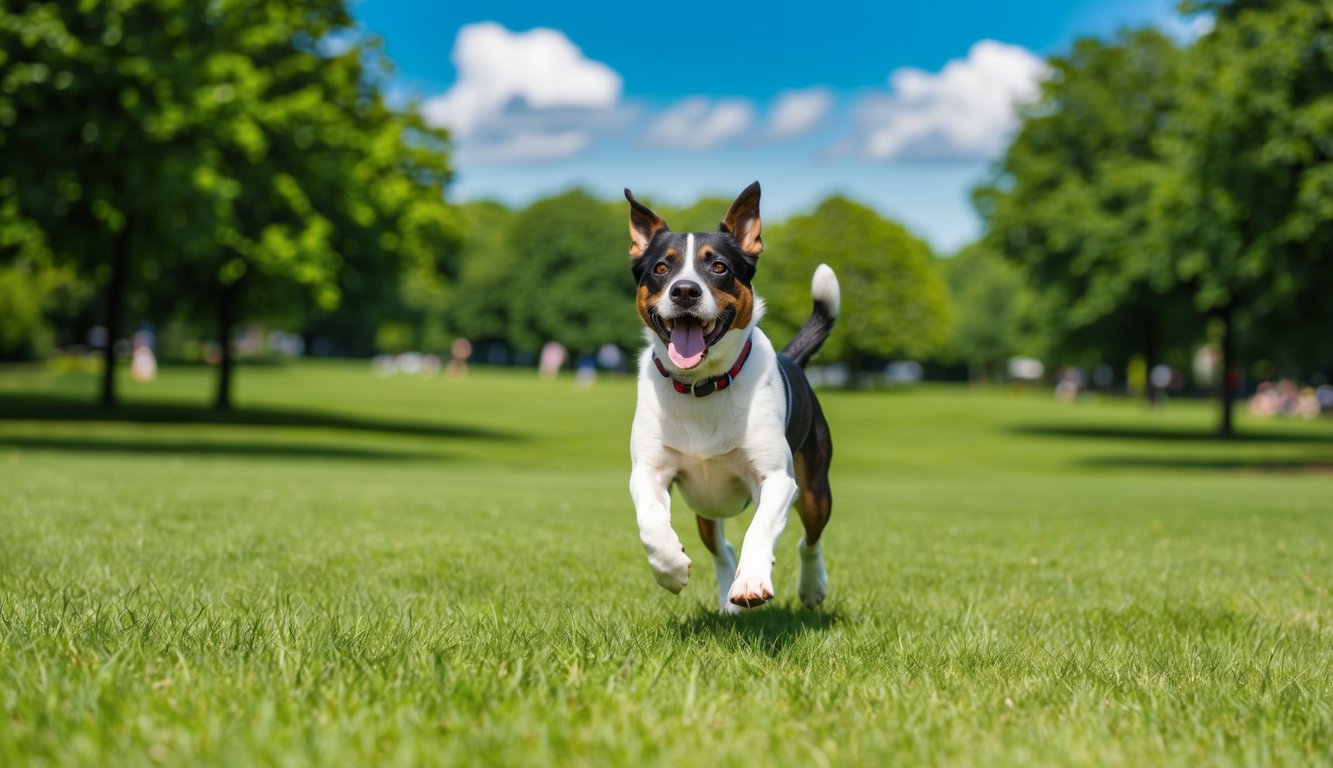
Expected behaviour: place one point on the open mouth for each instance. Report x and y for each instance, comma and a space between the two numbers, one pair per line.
689, 338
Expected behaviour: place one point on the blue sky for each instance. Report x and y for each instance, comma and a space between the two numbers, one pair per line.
901, 106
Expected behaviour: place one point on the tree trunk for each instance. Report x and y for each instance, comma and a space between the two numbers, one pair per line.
1229, 379
226, 322
115, 310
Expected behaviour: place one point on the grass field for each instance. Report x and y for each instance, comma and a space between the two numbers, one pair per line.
362, 571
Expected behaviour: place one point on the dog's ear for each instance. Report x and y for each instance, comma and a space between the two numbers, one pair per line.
742, 221
643, 224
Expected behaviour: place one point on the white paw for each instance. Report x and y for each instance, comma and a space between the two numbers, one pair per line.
671, 568
750, 590
725, 608
813, 585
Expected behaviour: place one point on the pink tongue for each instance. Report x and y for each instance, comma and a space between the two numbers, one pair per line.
687, 344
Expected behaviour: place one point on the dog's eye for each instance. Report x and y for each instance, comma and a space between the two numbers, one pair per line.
660, 269
719, 268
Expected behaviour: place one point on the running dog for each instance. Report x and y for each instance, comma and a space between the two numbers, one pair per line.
721, 414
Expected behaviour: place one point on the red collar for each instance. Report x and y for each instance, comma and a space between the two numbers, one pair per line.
707, 386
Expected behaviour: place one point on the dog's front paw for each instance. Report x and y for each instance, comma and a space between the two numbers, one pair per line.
749, 591
671, 568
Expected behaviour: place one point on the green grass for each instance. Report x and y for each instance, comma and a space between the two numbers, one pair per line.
354, 570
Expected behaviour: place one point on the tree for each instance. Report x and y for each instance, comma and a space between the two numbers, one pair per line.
91, 115
894, 301
387, 291
1070, 204
569, 283
989, 298
223, 162
318, 184
1248, 205
478, 306
703, 215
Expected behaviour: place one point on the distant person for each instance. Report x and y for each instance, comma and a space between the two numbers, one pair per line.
1160, 378
143, 363
1324, 394
1264, 402
551, 360
610, 357
459, 354
1307, 403
1070, 384
586, 372
1288, 397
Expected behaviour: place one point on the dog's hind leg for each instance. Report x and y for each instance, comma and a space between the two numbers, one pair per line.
724, 560
814, 503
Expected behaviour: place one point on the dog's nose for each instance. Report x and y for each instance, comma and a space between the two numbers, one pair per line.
686, 293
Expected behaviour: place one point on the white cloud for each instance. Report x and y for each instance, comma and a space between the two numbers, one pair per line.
509, 82
698, 123
1188, 29
521, 134
797, 113
529, 146
965, 111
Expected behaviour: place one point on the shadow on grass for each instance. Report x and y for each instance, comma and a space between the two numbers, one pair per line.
1174, 435
1242, 453
1322, 465
28, 407
768, 630
157, 447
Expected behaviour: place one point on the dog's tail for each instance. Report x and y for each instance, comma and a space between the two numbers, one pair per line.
828, 299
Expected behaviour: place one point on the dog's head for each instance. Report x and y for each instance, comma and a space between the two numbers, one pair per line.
694, 287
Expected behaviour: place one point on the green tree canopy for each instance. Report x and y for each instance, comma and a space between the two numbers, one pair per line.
1070, 204
313, 181
217, 156
1248, 205
30, 291
989, 300
479, 307
703, 215
894, 301
93, 112
570, 282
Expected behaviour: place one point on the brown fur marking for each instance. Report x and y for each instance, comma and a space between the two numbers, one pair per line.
644, 301
743, 221
814, 500
643, 224
742, 302
708, 532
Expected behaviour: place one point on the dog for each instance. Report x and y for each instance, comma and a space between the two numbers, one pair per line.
721, 414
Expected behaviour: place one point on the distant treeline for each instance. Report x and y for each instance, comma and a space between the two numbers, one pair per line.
204, 168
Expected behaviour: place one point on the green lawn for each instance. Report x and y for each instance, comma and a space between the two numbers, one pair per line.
355, 570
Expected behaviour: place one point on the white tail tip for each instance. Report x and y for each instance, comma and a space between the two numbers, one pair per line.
824, 288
